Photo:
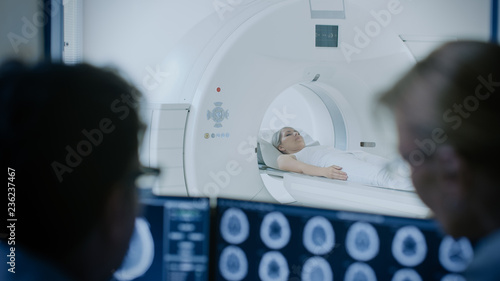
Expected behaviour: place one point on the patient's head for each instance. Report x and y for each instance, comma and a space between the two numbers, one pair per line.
288, 140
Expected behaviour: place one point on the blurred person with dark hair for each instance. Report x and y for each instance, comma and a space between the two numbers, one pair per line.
447, 111
69, 137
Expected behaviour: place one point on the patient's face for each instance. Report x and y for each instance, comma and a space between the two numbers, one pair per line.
291, 141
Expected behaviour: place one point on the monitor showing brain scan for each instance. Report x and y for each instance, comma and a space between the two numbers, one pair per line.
170, 241
261, 241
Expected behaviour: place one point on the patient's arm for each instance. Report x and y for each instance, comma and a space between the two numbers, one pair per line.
290, 163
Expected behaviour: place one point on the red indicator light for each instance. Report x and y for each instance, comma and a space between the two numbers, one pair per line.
218, 89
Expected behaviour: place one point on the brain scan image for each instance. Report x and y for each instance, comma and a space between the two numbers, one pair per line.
234, 226
359, 271
408, 246
455, 255
362, 242
273, 267
406, 274
316, 269
233, 263
275, 230
318, 237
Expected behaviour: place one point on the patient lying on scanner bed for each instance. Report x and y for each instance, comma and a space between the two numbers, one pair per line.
321, 160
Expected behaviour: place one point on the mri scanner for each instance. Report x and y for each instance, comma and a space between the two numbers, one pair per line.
258, 65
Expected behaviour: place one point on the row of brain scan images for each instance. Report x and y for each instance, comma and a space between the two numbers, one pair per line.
186, 239
258, 241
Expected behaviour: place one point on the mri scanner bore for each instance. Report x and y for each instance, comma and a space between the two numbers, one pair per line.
228, 84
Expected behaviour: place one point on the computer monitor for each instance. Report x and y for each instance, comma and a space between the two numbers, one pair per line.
170, 241
261, 241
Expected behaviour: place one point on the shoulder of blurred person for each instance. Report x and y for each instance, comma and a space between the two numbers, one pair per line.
69, 135
485, 265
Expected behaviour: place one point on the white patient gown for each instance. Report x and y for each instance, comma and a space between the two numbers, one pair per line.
360, 166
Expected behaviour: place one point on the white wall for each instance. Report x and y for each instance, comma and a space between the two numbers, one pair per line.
21, 30
426, 23
135, 36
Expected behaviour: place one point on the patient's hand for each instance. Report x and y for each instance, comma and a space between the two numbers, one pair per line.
290, 163
334, 172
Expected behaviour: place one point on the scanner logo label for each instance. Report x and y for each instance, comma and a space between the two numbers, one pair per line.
218, 114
